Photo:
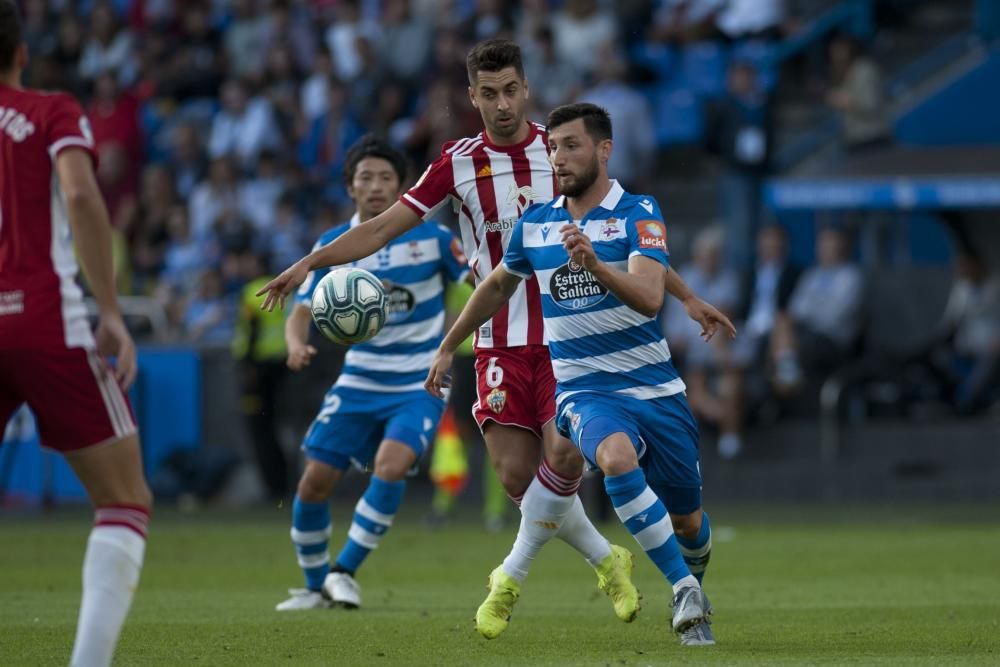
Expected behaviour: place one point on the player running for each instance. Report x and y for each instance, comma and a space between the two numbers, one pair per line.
490, 180
599, 255
49, 358
377, 409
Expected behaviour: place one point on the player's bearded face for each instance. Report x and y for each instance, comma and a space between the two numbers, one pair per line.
574, 181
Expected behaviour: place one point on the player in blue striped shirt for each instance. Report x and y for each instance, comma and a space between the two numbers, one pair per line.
600, 257
377, 410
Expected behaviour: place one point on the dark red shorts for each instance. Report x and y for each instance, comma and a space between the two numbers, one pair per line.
72, 392
515, 387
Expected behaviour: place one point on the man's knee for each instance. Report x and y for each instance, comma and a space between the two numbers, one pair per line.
317, 482
393, 461
687, 526
616, 455
563, 457
514, 475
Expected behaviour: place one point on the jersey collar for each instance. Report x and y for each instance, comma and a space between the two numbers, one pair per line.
610, 201
355, 220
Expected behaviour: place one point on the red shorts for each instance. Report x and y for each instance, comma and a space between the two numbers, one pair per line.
72, 392
515, 387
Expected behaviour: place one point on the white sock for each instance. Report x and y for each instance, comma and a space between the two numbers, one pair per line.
111, 569
542, 513
578, 532
685, 582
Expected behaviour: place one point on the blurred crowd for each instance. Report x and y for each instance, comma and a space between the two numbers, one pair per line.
221, 127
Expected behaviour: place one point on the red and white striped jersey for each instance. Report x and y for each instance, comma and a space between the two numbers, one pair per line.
41, 306
489, 187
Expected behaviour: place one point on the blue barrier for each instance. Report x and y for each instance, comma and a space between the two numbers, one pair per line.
166, 399
889, 193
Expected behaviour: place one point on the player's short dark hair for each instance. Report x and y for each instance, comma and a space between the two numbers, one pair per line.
596, 120
372, 145
10, 33
492, 56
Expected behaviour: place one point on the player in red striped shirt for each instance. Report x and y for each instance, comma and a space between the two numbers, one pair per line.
49, 358
489, 180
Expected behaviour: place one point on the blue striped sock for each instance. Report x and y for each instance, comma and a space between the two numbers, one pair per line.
310, 534
698, 551
646, 518
372, 517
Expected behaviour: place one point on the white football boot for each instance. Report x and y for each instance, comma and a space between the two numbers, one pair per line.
342, 590
303, 599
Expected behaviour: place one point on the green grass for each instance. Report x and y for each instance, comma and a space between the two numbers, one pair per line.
801, 590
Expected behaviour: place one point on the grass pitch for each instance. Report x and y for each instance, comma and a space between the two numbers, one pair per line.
812, 589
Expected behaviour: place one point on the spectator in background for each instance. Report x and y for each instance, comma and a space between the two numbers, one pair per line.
197, 65
553, 81
857, 93
281, 90
185, 256
823, 322
286, 238
259, 195
315, 92
245, 39
208, 316
67, 53
259, 348
751, 19
739, 130
213, 197
963, 353
342, 39
712, 377
631, 118
681, 21
410, 40
244, 126
582, 29
186, 158
287, 25
322, 149
490, 19
114, 119
146, 225
109, 47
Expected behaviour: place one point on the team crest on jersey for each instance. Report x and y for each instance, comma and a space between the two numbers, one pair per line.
456, 251
416, 254
497, 400
521, 197
611, 229
652, 235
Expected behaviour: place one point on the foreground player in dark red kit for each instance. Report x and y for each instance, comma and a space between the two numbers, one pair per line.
49, 358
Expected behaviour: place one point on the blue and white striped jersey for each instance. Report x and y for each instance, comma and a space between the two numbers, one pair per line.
414, 268
597, 343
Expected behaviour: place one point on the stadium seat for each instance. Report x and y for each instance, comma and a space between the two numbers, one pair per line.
761, 56
678, 116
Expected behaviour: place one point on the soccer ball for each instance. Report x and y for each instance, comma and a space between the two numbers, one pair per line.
349, 305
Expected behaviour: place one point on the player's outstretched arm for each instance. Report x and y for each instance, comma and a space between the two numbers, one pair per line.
641, 288
300, 352
705, 314
355, 244
88, 218
488, 298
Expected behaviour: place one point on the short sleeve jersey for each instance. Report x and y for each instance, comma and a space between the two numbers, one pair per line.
597, 343
415, 268
489, 187
41, 304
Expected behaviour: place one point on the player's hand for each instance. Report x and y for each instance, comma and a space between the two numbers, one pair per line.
439, 376
300, 356
578, 246
114, 340
283, 285
709, 317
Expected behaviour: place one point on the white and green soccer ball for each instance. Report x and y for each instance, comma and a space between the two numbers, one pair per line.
349, 305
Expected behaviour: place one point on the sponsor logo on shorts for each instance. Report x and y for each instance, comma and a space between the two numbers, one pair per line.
573, 287
497, 400
652, 235
547, 525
